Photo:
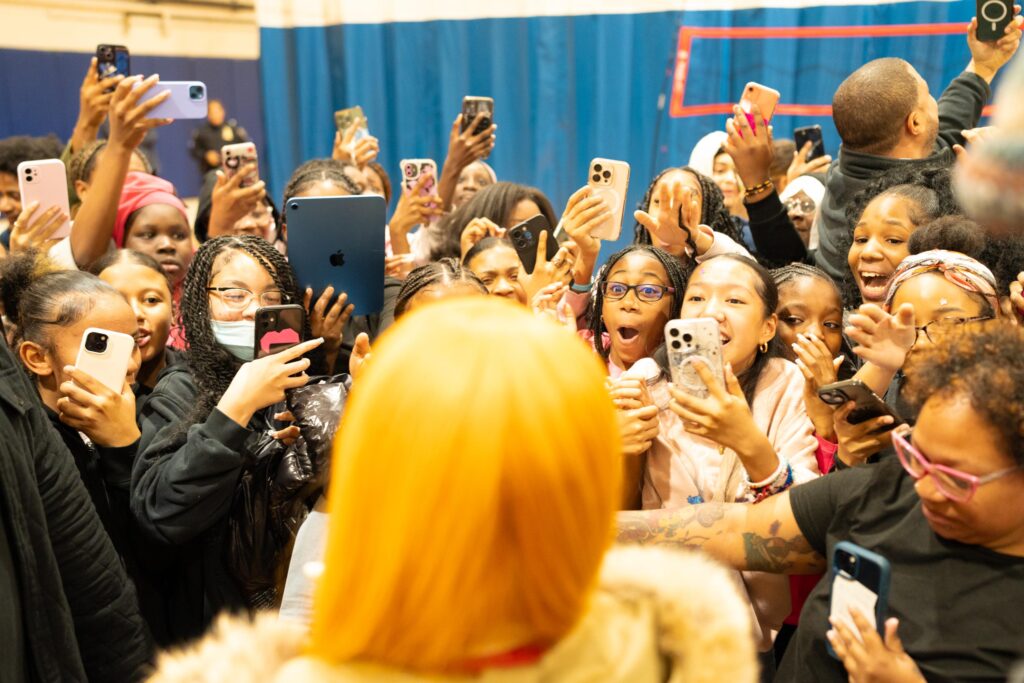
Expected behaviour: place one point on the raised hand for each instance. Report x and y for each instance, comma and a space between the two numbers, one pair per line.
326, 322
31, 231
94, 98
464, 147
750, 149
673, 218
584, 212
351, 151
129, 120
881, 338
414, 209
801, 166
557, 270
988, 58
478, 229
231, 202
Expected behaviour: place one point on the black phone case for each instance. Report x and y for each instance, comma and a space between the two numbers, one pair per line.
112, 60
993, 16
868, 407
801, 136
278, 328
470, 110
524, 239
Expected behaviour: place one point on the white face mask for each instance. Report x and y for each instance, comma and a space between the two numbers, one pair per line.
238, 337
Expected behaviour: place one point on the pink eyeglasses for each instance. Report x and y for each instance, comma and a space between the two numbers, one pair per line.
954, 484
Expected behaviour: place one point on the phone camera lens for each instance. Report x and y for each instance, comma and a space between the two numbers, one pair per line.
596, 178
294, 206
673, 331
687, 337
29, 179
96, 342
597, 168
607, 174
196, 92
676, 345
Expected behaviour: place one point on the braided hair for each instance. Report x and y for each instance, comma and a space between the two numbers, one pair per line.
312, 172
678, 275
447, 271
83, 163
795, 271
712, 209
212, 366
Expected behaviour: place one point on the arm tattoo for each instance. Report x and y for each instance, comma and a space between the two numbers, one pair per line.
689, 526
779, 555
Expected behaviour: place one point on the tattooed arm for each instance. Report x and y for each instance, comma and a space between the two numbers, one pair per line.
763, 537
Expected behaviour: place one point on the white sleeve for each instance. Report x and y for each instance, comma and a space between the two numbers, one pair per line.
61, 255
723, 244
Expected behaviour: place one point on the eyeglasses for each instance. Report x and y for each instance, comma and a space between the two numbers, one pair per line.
239, 298
937, 330
953, 484
804, 206
614, 291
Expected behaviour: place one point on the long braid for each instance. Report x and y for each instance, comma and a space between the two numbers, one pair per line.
794, 271
212, 366
678, 275
312, 172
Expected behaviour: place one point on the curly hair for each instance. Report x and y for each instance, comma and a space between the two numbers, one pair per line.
447, 271
929, 190
1005, 258
495, 202
984, 364
712, 209
678, 275
19, 148
950, 233
212, 366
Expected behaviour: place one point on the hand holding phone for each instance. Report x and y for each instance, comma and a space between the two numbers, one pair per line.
106, 355
472, 107
687, 341
993, 17
764, 97
868, 404
525, 239
46, 183
346, 118
609, 180
278, 328
187, 100
97, 401
860, 581
112, 60
236, 157
811, 134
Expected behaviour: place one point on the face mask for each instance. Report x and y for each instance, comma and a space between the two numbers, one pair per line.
238, 337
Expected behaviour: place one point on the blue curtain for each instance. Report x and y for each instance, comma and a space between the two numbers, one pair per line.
567, 89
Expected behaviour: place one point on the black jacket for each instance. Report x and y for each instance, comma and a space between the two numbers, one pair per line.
74, 605
959, 109
183, 484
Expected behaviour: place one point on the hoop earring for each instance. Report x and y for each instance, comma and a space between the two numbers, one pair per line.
763, 348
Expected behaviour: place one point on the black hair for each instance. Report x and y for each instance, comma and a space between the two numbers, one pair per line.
19, 148
486, 244
981, 363
495, 202
769, 293
83, 163
952, 233
36, 295
678, 275
385, 179
712, 209
789, 273
870, 107
783, 150
212, 366
928, 188
311, 173
115, 257
1005, 258
447, 271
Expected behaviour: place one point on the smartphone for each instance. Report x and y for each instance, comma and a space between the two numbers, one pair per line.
413, 170
812, 134
112, 60
344, 118
278, 328
688, 340
471, 106
525, 238
860, 579
105, 356
609, 179
869, 405
339, 241
46, 181
234, 157
187, 100
993, 17
764, 97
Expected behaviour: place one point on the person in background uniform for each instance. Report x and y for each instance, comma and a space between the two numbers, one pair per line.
209, 137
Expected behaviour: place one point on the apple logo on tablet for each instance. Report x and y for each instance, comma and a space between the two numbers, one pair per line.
338, 259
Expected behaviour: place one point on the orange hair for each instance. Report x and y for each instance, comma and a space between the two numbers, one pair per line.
475, 480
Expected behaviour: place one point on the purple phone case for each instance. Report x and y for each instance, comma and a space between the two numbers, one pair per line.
181, 104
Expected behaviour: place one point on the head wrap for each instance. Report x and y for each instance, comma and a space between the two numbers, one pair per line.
809, 185
960, 269
702, 158
141, 190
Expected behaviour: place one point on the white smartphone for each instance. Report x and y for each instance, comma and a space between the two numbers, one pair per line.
105, 355
187, 100
45, 181
609, 179
688, 340
234, 157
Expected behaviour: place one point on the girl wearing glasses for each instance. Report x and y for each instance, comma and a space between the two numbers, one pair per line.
206, 421
948, 514
751, 437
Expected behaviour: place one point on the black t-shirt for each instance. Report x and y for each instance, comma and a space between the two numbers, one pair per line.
961, 607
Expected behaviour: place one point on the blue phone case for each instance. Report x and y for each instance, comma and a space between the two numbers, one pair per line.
874, 569
339, 241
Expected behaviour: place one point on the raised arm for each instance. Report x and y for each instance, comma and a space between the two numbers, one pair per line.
748, 537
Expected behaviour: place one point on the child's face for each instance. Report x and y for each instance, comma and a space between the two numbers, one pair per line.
879, 244
808, 305
636, 327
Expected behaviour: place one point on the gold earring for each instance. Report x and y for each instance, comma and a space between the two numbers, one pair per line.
763, 348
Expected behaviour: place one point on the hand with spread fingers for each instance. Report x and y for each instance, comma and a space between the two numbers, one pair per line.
349, 150
94, 98
230, 202
328, 321
867, 657
801, 166
882, 338
129, 120
819, 368
106, 417
30, 231
673, 221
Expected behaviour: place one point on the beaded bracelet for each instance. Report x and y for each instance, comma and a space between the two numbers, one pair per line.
759, 188
780, 480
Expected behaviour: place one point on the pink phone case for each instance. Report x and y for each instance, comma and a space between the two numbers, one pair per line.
413, 170
764, 97
45, 181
